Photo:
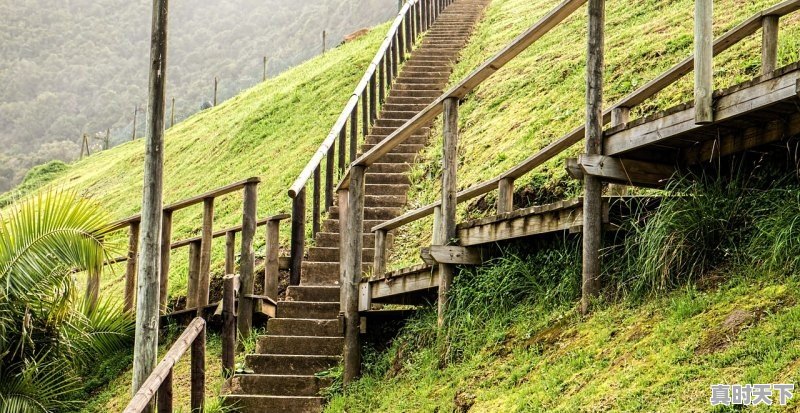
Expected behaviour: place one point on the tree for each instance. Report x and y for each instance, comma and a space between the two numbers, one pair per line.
49, 336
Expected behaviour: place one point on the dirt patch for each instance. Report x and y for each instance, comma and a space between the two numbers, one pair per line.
463, 401
551, 337
721, 336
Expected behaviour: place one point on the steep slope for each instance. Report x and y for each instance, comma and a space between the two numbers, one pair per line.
267, 131
538, 97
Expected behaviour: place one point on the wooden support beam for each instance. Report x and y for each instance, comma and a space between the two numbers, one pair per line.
626, 171
198, 372
592, 186
769, 43
620, 116
228, 325
230, 252
352, 272
451, 254
204, 279
379, 259
298, 236
193, 280
316, 217
247, 260
364, 297
166, 239
272, 265
449, 201
505, 196
573, 168
704, 61
130, 267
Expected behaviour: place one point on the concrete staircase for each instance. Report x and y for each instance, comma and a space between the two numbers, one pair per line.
306, 335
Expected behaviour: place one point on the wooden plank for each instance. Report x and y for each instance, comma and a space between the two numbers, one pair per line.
364, 298
449, 201
204, 277
247, 260
521, 226
166, 236
193, 277
704, 61
224, 232
505, 196
769, 44
197, 372
421, 280
228, 326
216, 193
272, 265
379, 259
452, 254
626, 171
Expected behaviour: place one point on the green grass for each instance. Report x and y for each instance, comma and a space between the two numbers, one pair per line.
268, 131
539, 96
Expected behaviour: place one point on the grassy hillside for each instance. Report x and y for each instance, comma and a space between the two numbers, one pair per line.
538, 97
268, 131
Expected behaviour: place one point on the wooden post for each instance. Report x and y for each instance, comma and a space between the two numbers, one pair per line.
352, 245
379, 267
172, 114
315, 201
271, 267
166, 240
146, 337
505, 196
130, 268
619, 116
247, 261
364, 114
343, 195
382, 79
230, 252
594, 143
703, 61
135, 112
401, 48
216, 83
107, 140
165, 394
264, 76
373, 97
354, 133
324, 42
193, 281
228, 327
342, 149
449, 190
198, 372
437, 237
329, 163
206, 239
298, 236
769, 44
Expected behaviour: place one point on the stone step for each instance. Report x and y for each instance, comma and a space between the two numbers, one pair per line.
324, 273
420, 89
330, 239
422, 79
404, 115
386, 131
370, 213
440, 53
289, 364
414, 67
332, 225
390, 168
410, 100
373, 178
386, 200
331, 254
278, 385
307, 309
436, 60
416, 108
274, 404
401, 148
398, 157
416, 139
300, 345
304, 327
311, 293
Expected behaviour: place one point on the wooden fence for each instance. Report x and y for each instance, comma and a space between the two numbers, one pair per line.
414, 18
351, 188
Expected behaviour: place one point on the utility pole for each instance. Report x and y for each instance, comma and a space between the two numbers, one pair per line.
216, 82
135, 112
145, 350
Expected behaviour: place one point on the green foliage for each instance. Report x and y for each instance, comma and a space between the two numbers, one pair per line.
35, 178
48, 337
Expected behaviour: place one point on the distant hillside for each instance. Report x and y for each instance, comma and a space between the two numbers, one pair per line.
80, 66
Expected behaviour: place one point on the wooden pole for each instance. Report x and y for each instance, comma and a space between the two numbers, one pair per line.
272, 267
264, 76
166, 240
130, 268
230, 252
216, 83
316, 199
437, 237
135, 112
107, 139
703, 61
619, 116
329, 163
172, 114
147, 304
298, 236
364, 114
228, 326
248, 261
449, 201
342, 150
769, 44
379, 260
343, 196
505, 196
198, 372
352, 244
373, 98
324, 42
165, 394
354, 133
594, 143
206, 240
193, 282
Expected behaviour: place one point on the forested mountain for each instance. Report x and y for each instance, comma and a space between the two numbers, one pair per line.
70, 67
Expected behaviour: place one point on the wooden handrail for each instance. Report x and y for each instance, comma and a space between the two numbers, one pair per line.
646, 91
224, 232
162, 374
522, 42
320, 154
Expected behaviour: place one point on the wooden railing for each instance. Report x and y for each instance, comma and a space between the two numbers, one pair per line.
414, 18
159, 384
616, 115
351, 188
200, 250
